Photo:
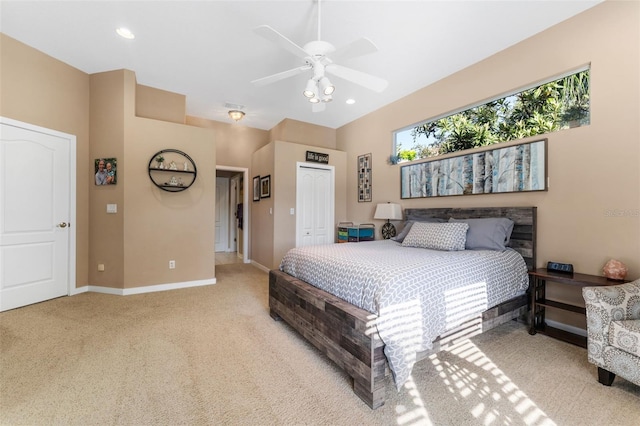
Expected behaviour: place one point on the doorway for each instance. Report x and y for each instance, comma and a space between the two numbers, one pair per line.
38, 205
234, 213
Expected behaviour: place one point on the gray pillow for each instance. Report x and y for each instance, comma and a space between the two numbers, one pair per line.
492, 233
407, 227
437, 236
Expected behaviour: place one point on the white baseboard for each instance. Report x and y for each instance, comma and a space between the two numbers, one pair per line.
140, 290
259, 266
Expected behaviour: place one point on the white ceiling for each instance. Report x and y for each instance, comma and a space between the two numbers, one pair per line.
207, 50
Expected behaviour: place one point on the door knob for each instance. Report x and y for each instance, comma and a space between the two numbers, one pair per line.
62, 225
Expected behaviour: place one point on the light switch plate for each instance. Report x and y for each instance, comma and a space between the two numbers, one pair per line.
112, 208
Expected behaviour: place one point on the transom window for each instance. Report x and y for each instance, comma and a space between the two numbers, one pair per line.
555, 105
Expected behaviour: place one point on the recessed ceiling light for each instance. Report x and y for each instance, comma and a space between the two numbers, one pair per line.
126, 33
351, 101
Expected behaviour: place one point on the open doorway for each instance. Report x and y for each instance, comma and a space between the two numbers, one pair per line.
231, 217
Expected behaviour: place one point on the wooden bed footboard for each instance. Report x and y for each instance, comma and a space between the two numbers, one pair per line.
340, 330
346, 334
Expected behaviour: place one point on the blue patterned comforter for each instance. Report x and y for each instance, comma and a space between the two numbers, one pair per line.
417, 294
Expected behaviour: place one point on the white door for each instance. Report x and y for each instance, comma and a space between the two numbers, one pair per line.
35, 238
222, 214
315, 204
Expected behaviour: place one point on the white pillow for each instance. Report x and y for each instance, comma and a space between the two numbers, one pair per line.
437, 236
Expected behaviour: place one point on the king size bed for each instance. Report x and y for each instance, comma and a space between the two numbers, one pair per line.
376, 308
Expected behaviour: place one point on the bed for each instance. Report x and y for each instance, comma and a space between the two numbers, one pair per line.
357, 336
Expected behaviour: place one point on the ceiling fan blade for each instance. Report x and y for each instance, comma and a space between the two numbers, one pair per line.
360, 47
280, 76
277, 38
366, 80
319, 107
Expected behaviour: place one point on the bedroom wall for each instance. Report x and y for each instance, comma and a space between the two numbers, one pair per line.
40, 90
304, 133
284, 189
151, 226
591, 212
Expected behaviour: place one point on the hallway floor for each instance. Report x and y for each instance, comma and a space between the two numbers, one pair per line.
226, 258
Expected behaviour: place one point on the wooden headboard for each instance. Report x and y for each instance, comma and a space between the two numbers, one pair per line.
523, 237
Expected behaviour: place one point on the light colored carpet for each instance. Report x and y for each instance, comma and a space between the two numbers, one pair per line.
213, 355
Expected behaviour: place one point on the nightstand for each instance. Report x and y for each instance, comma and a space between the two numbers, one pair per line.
539, 303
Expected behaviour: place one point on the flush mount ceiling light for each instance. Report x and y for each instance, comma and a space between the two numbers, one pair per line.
126, 33
236, 115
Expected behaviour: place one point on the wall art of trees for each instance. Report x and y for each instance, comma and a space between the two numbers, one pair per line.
510, 169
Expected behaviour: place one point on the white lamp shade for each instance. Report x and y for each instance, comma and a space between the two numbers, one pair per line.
389, 211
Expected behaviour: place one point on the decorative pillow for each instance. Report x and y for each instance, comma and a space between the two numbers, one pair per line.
437, 236
492, 233
407, 226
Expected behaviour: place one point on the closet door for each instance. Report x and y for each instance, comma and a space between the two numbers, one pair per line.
315, 204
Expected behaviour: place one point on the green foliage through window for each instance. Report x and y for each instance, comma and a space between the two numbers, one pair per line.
547, 108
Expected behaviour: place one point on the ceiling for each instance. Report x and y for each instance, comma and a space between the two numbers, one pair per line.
208, 51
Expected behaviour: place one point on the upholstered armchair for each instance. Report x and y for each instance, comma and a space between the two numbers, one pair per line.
613, 330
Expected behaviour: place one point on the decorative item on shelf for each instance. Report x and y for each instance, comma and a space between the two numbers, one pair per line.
615, 270
160, 161
173, 166
173, 181
388, 211
186, 166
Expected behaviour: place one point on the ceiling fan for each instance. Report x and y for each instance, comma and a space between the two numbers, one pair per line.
315, 56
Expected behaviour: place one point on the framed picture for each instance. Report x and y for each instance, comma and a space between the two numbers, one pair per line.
515, 168
106, 171
265, 186
256, 188
364, 178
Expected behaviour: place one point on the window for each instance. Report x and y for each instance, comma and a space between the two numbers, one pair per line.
549, 107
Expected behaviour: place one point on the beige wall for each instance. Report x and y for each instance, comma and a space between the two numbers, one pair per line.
159, 225
235, 143
592, 170
106, 245
304, 133
160, 104
40, 90
287, 155
261, 231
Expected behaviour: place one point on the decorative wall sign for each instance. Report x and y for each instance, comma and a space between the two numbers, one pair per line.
364, 178
317, 157
256, 188
515, 168
265, 186
105, 171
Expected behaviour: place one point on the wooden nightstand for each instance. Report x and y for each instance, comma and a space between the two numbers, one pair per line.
539, 303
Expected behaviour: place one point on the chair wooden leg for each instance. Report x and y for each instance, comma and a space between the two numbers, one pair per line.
605, 377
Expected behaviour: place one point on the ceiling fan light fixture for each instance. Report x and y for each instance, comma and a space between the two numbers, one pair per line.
236, 115
314, 100
311, 89
326, 87
327, 98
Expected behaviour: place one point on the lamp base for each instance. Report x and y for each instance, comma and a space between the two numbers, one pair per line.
388, 230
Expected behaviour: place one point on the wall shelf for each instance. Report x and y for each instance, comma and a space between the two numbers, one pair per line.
173, 180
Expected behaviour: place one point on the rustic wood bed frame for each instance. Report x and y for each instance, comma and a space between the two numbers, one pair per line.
344, 332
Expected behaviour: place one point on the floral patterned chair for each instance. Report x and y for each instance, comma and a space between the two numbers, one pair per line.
613, 330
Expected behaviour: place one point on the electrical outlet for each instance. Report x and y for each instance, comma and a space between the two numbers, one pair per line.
100, 267
172, 264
